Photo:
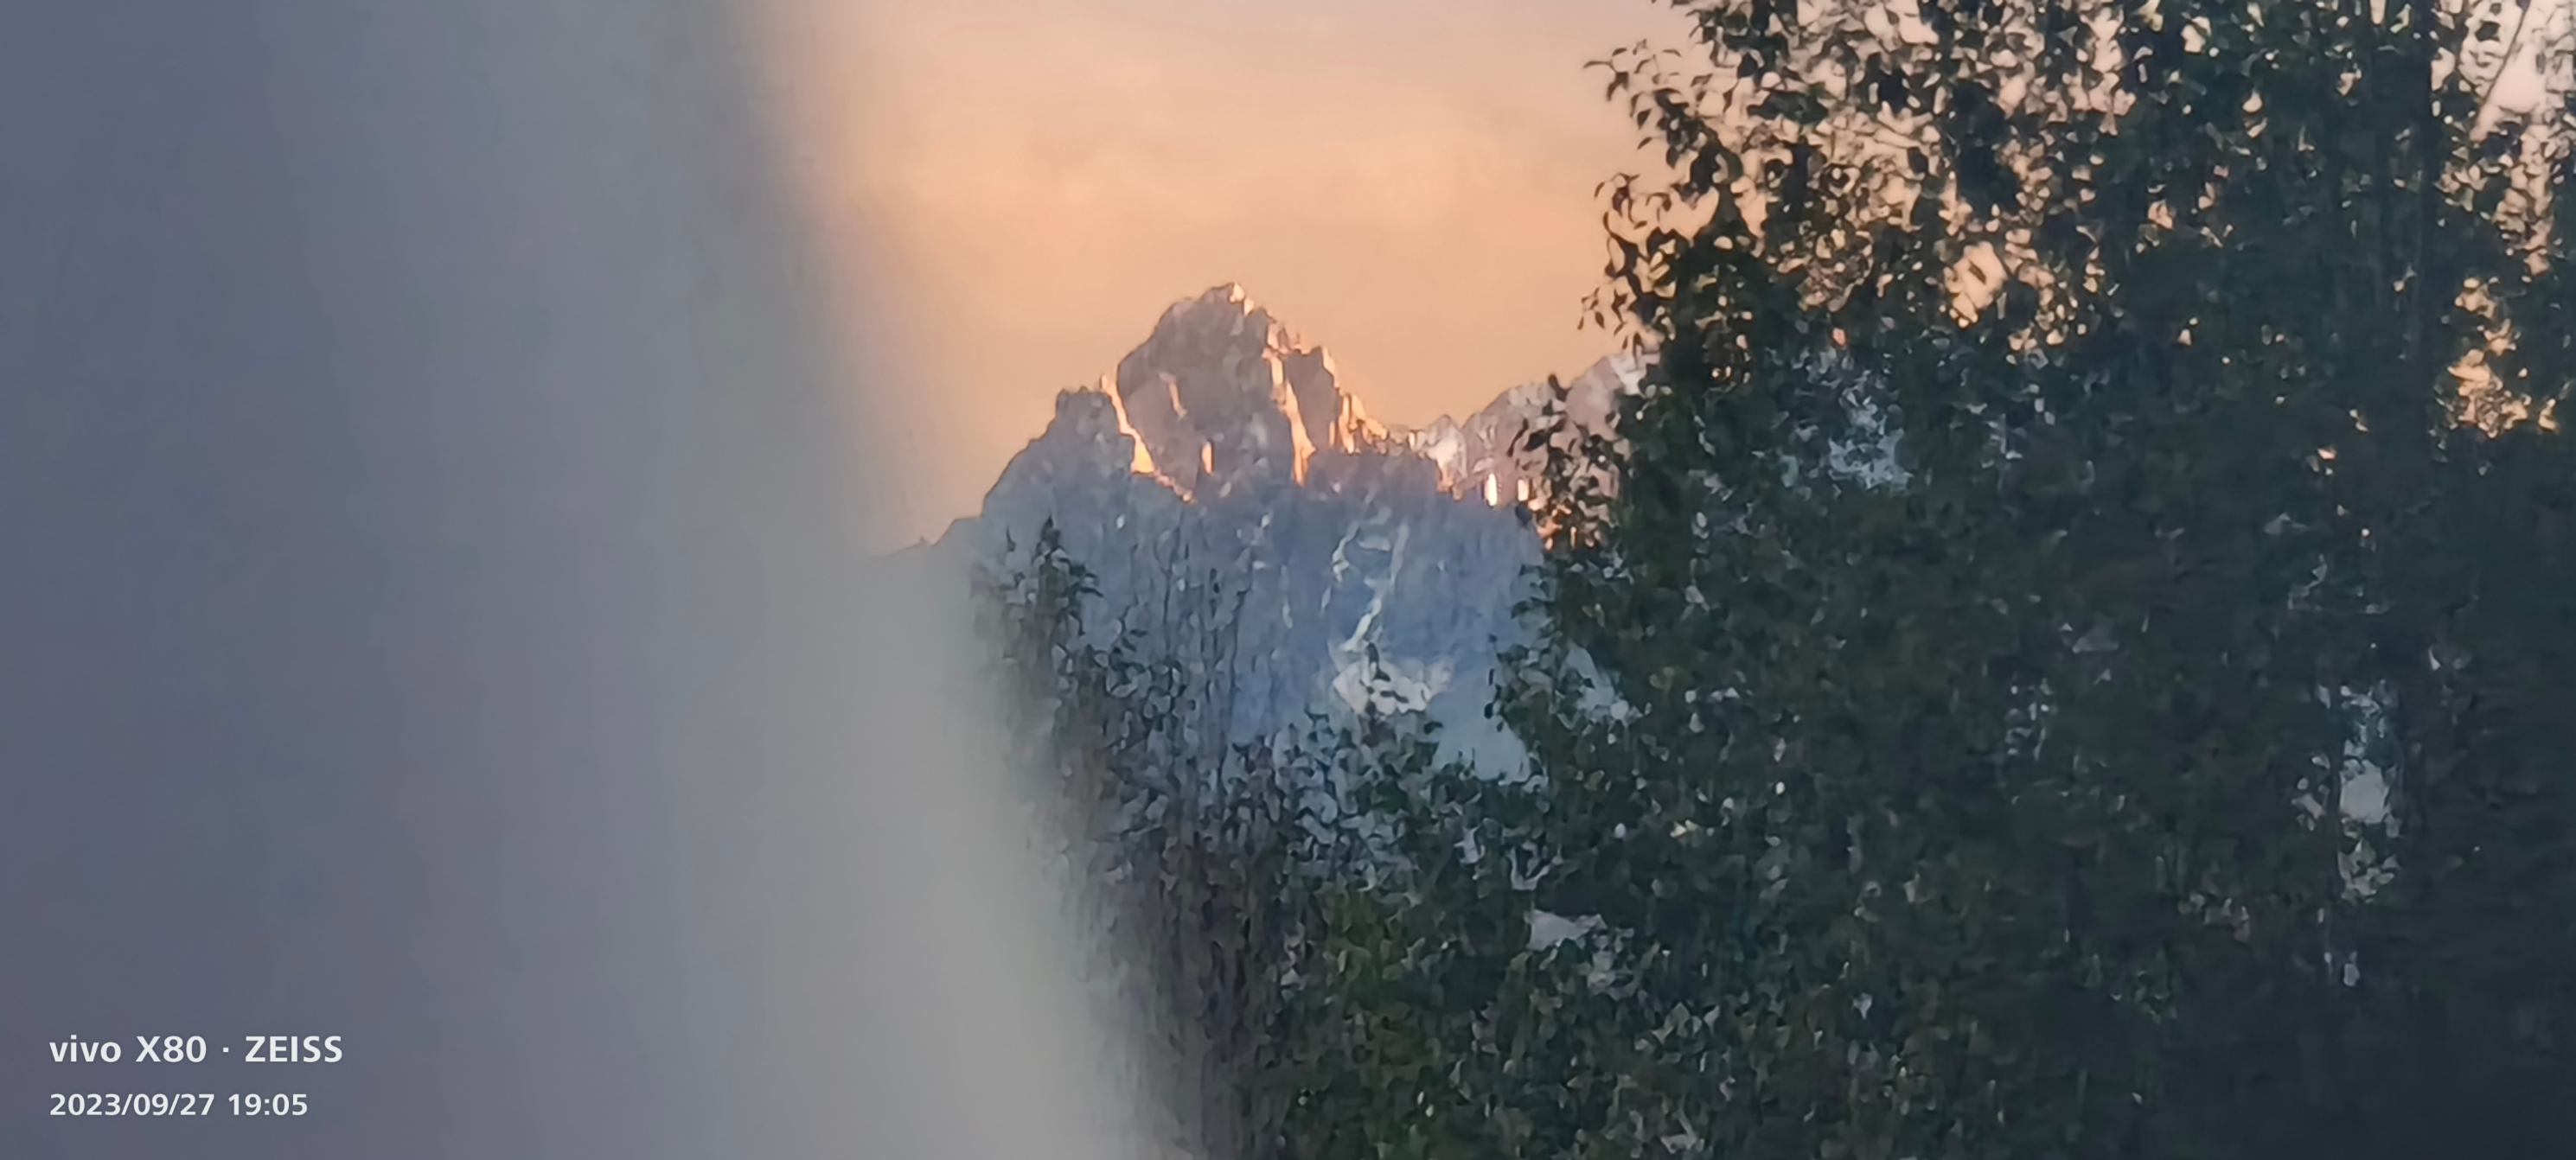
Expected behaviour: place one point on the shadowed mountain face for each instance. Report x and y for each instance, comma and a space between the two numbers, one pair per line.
1224, 480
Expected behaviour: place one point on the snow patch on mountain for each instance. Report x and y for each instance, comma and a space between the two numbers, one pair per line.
1487, 455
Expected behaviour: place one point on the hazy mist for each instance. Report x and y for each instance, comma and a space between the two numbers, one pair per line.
437, 613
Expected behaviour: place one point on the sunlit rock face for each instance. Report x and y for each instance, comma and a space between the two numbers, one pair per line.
1222, 395
1224, 486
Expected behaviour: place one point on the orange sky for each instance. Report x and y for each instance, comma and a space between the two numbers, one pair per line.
1028, 183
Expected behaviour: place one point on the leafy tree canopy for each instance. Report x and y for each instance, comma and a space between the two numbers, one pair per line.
2067, 655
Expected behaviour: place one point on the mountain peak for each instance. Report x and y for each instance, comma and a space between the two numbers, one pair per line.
1372, 570
1222, 393
1222, 396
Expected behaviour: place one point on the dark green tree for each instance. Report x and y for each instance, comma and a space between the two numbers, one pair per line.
1238, 914
2067, 654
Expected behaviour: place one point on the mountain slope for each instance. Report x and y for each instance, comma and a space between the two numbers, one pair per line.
1223, 479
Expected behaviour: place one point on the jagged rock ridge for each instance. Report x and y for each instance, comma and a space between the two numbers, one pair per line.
1353, 563
1221, 393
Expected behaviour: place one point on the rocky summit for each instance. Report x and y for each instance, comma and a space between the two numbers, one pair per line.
1225, 489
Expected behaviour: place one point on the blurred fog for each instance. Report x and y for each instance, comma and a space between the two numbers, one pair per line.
434, 613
